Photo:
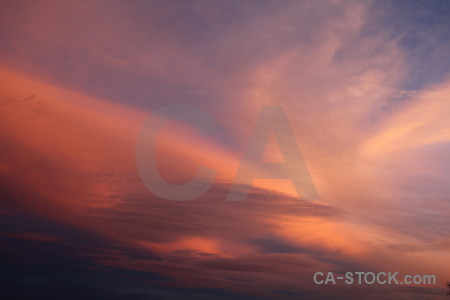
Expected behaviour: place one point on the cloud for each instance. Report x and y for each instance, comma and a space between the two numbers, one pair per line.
79, 80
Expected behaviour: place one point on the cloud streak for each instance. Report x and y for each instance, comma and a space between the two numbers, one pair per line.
79, 79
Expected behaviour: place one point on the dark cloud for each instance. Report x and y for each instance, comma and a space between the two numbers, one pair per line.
210, 215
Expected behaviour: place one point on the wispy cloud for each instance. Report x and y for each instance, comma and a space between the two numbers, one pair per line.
78, 80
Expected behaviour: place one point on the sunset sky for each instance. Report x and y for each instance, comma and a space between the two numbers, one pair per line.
364, 85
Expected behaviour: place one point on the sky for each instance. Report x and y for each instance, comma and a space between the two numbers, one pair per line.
363, 85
